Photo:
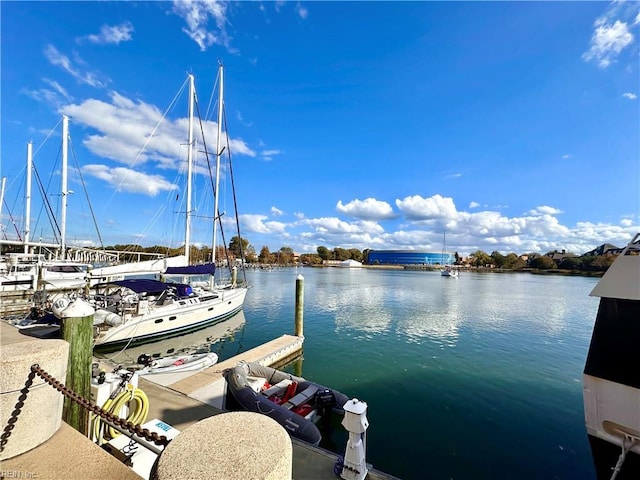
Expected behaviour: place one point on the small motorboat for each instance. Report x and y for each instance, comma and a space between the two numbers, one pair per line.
176, 363
293, 402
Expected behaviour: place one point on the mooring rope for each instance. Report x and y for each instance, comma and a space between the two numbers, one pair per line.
104, 414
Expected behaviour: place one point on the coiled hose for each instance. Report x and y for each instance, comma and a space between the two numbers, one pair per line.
138, 404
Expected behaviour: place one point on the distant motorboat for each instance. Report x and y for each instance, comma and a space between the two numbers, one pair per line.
293, 402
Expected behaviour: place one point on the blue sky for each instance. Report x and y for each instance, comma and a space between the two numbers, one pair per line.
511, 126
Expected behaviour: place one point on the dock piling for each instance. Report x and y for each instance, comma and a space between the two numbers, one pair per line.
77, 330
299, 322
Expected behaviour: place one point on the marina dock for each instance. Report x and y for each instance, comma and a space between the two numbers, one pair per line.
179, 400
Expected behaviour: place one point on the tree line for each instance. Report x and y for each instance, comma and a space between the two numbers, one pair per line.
241, 248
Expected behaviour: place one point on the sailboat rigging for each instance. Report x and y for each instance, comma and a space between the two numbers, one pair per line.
157, 309
136, 311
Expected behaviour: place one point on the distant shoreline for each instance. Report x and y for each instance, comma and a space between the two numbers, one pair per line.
558, 271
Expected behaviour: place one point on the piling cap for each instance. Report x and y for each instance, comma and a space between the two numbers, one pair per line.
78, 308
355, 406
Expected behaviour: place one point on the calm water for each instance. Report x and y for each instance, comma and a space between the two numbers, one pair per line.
471, 378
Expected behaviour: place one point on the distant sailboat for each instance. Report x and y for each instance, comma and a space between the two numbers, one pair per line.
448, 270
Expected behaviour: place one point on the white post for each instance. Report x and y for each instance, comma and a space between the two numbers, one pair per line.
27, 198
356, 423
63, 215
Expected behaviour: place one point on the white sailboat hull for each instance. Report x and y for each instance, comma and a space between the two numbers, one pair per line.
182, 316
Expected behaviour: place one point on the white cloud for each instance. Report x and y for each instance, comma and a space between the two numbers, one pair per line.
539, 230
630, 96
276, 212
544, 210
60, 60
419, 208
58, 88
566, 155
258, 224
335, 232
196, 13
114, 34
125, 179
267, 155
369, 209
134, 132
474, 204
301, 11
335, 225
607, 42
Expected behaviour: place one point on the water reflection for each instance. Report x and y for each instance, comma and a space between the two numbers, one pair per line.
425, 308
360, 309
210, 339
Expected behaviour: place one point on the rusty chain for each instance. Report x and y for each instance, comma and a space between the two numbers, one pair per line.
93, 408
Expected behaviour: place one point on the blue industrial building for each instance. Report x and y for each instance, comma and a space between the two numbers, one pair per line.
408, 257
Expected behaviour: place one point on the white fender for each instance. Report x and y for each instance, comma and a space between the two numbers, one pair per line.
59, 305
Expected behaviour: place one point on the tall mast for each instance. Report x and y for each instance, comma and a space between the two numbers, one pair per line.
444, 246
4, 182
27, 198
187, 230
63, 215
218, 154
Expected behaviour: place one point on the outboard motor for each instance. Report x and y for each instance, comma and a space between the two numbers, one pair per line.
325, 401
144, 359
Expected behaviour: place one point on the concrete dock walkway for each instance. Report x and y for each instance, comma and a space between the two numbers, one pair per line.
180, 402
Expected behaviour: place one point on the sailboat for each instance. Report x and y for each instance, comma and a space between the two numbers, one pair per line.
135, 311
29, 271
447, 270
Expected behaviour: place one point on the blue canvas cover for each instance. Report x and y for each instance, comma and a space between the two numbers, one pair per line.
204, 269
140, 285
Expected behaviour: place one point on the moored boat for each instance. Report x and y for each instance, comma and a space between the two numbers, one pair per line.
449, 271
293, 402
176, 363
611, 384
